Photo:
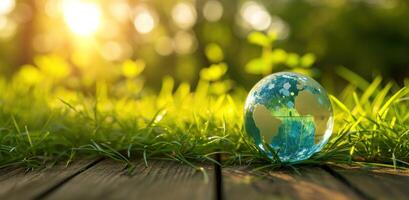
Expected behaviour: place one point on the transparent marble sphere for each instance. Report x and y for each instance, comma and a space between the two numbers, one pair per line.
290, 113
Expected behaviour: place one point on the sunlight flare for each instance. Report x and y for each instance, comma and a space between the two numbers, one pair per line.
6, 6
83, 18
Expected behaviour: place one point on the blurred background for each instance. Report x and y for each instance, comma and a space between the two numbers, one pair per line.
104, 40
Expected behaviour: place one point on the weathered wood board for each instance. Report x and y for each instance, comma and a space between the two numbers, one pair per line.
19, 184
310, 183
378, 184
107, 179
160, 180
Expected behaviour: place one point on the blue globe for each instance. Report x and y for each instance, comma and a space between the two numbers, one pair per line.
288, 113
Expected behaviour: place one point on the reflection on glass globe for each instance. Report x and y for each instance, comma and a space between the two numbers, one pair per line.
290, 113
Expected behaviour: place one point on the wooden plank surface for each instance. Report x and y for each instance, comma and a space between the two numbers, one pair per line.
378, 184
20, 184
107, 179
160, 180
311, 183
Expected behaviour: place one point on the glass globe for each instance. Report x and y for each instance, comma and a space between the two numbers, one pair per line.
290, 113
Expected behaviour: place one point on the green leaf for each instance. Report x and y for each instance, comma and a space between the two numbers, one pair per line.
260, 39
214, 52
272, 35
293, 60
339, 104
132, 68
278, 56
379, 99
307, 60
214, 72
396, 96
352, 77
258, 66
371, 90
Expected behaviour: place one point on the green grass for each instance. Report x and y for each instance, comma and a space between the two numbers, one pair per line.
41, 123
50, 114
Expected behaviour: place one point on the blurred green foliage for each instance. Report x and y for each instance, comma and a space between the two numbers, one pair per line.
371, 37
274, 60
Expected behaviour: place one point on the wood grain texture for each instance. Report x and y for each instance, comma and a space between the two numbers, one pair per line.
160, 180
311, 183
6, 170
378, 184
20, 184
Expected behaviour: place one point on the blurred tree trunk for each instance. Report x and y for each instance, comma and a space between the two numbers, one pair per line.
27, 31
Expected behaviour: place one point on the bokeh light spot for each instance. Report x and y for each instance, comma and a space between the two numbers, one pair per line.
185, 42
120, 10
213, 10
111, 51
255, 15
184, 15
8, 28
279, 27
144, 21
83, 18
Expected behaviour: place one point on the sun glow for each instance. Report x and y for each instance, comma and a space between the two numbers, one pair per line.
6, 6
83, 18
